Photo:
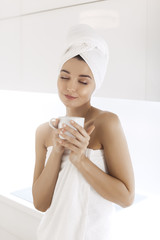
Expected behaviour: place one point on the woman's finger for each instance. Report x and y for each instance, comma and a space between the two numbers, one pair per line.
68, 145
72, 140
54, 124
75, 134
79, 128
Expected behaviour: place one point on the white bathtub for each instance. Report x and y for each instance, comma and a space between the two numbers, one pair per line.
19, 220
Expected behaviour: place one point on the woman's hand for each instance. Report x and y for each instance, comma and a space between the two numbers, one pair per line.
56, 144
78, 143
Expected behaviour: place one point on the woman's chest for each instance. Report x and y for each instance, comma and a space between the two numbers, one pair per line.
94, 142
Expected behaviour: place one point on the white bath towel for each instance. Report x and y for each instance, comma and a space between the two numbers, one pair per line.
84, 41
77, 211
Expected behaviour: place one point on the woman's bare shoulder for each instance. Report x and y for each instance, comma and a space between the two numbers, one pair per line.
43, 133
43, 128
108, 127
105, 118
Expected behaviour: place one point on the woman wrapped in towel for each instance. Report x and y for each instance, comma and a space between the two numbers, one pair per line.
78, 178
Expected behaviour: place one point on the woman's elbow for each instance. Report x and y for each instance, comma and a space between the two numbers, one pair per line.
38, 202
128, 200
40, 207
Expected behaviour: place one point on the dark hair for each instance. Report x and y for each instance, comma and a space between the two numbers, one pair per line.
79, 58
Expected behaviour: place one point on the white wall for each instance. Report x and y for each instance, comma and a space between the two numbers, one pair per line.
31, 44
153, 46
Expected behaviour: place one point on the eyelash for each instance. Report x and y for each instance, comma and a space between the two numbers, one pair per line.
64, 78
83, 83
79, 81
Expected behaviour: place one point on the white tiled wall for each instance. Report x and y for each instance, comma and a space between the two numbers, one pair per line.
31, 45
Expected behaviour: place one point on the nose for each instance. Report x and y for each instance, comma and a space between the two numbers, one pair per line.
72, 85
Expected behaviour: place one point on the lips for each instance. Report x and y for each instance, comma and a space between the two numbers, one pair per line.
70, 97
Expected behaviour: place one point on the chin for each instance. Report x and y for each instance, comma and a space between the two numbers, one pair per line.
67, 102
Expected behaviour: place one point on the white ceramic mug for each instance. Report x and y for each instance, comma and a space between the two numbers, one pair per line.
66, 120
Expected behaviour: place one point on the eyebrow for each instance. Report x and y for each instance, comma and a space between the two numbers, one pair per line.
65, 71
81, 75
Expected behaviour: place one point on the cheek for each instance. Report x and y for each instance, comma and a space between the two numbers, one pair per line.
87, 92
59, 85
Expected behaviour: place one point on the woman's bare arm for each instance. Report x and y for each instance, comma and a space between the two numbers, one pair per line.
118, 184
45, 176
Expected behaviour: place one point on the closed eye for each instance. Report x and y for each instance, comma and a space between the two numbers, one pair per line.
64, 77
85, 83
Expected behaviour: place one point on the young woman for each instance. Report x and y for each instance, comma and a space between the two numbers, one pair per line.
83, 176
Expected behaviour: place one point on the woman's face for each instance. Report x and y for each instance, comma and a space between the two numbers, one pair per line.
75, 83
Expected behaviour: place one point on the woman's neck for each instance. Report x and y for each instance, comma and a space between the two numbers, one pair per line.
81, 111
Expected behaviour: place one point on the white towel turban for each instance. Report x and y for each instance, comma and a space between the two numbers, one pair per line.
84, 41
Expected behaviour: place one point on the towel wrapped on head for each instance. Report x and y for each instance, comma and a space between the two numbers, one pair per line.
84, 41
